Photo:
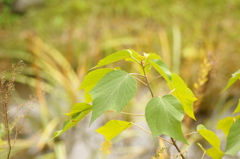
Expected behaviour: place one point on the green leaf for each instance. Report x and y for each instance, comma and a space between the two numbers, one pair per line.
152, 56
78, 107
79, 111
162, 68
164, 116
238, 108
112, 92
112, 128
120, 55
232, 80
91, 80
183, 93
233, 139
213, 152
201, 127
210, 136
225, 124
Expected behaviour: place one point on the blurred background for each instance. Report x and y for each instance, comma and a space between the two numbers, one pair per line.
59, 41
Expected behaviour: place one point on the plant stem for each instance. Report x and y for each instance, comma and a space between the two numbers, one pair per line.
127, 113
172, 91
135, 60
136, 74
151, 133
155, 78
140, 81
148, 83
150, 89
174, 144
5, 111
191, 133
203, 155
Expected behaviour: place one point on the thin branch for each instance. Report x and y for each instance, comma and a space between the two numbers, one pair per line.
151, 133
148, 84
15, 136
127, 113
140, 81
136, 74
191, 133
2, 114
20, 107
172, 91
174, 143
5, 107
155, 78
203, 155
135, 60
146, 65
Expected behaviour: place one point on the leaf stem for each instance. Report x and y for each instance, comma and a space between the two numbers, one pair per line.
148, 83
151, 133
172, 91
140, 81
155, 78
191, 133
136, 74
135, 60
203, 155
127, 113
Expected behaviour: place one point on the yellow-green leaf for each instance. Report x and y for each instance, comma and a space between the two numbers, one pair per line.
183, 93
78, 107
112, 128
213, 152
232, 80
78, 112
225, 124
210, 136
120, 55
91, 80
238, 108
162, 68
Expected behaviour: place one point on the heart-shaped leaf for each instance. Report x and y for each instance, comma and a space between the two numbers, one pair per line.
112, 92
164, 116
91, 80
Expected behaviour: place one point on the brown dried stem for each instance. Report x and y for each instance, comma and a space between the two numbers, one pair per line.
6, 89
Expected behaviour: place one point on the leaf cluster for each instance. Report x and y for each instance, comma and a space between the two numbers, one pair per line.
111, 89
